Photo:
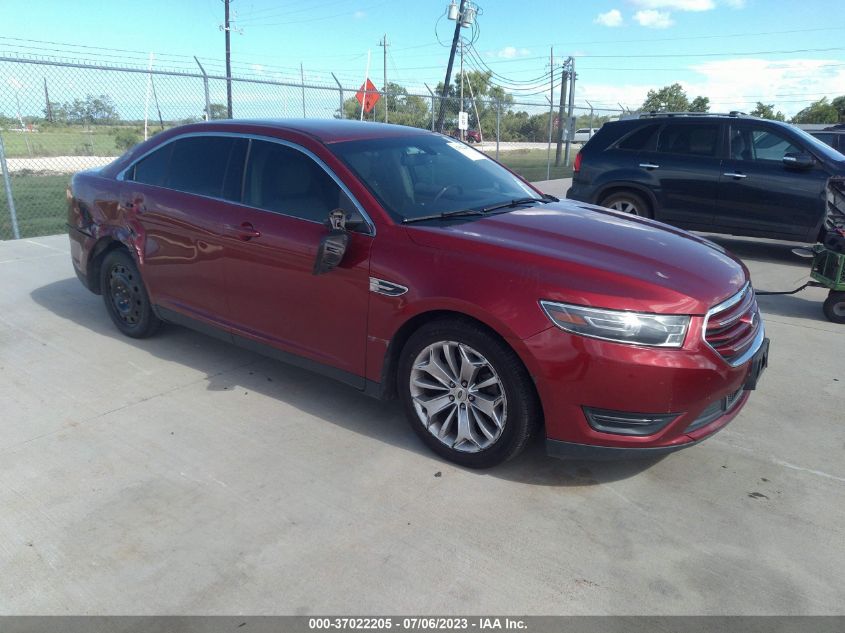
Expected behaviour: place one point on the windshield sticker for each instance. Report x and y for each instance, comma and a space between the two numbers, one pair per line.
466, 151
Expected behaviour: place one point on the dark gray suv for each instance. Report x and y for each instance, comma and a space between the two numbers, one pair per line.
728, 173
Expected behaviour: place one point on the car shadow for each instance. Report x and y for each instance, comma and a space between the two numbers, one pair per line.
305, 391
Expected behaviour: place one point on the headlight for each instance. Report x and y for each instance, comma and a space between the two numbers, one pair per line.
657, 330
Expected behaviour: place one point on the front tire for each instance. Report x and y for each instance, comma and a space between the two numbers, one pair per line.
467, 394
627, 202
125, 296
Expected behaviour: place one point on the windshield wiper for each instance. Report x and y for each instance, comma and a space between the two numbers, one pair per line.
520, 201
459, 213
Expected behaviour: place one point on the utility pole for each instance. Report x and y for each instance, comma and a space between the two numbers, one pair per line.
462, 132
551, 111
442, 115
384, 44
49, 109
564, 74
227, 32
572, 77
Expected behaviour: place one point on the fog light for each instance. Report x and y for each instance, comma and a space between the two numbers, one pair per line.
625, 423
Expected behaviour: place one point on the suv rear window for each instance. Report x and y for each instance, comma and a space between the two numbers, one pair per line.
690, 139
640, 139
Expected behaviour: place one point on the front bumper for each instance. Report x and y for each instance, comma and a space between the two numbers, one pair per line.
694, 384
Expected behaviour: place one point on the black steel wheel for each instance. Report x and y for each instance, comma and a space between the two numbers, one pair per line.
125, 296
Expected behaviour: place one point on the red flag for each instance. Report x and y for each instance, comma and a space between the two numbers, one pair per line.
368, 95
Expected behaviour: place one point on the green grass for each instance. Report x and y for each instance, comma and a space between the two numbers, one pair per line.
68, 141
531, 163
40, 204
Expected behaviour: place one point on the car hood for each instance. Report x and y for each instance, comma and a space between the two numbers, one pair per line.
593, 256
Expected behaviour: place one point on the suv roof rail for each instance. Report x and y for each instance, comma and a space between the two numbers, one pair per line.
656, 113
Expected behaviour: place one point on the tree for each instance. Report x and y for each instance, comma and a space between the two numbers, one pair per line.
673, 99
216, 111
767, 111
92, 110
839, 104
700, 104
820, 111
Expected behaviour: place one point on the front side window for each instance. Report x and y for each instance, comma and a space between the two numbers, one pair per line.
421, 174
759, 144
284, 180
689, 139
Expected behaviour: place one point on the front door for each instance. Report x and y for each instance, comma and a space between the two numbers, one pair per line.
757, 192
274, 298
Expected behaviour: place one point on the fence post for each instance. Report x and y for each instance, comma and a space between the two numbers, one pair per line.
340, 90
205, 85
7, 183
498, 123
432, 105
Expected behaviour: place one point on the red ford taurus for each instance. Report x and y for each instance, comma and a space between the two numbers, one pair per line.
410, 265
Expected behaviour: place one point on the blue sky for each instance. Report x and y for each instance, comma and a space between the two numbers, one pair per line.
725, 49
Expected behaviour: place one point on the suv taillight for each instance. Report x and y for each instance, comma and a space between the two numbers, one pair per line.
577, 166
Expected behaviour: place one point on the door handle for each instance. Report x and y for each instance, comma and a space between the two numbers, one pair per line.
244, 231
735, 175
649, 166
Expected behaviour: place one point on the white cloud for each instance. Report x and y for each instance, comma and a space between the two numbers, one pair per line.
510, 52
734, 84
359, 14
611, 18
652, 19
677, 5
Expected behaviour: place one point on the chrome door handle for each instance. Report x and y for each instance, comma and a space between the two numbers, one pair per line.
735, 175
649, 166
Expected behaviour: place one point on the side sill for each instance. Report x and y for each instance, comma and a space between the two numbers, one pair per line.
369, 387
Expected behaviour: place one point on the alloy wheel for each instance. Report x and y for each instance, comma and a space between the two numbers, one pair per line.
458, 396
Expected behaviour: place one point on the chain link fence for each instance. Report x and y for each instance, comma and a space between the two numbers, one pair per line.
57, 118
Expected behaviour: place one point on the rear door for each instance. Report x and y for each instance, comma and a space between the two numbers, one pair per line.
758, 193
274, 298
178, 196
683, 172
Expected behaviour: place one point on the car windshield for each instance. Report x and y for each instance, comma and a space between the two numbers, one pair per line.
422, 175
820, 147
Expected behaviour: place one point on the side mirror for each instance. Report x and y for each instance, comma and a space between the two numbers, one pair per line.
333, 245
798, 160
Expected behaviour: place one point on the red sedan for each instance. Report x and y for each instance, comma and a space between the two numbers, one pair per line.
410, 265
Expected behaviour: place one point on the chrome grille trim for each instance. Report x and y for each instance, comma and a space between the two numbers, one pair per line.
759, 335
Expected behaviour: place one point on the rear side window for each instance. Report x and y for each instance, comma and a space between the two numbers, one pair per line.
152, 170
640, 139
207, 166
689, 139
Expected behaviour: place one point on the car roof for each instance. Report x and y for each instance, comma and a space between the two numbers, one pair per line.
324, 130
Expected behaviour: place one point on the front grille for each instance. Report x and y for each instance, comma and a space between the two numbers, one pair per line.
732, 326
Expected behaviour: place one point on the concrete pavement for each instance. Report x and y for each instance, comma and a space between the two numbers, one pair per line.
182, 475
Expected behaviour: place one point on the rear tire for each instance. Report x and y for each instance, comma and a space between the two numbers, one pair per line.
125, 296
467, 394
834, 307
627, 202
